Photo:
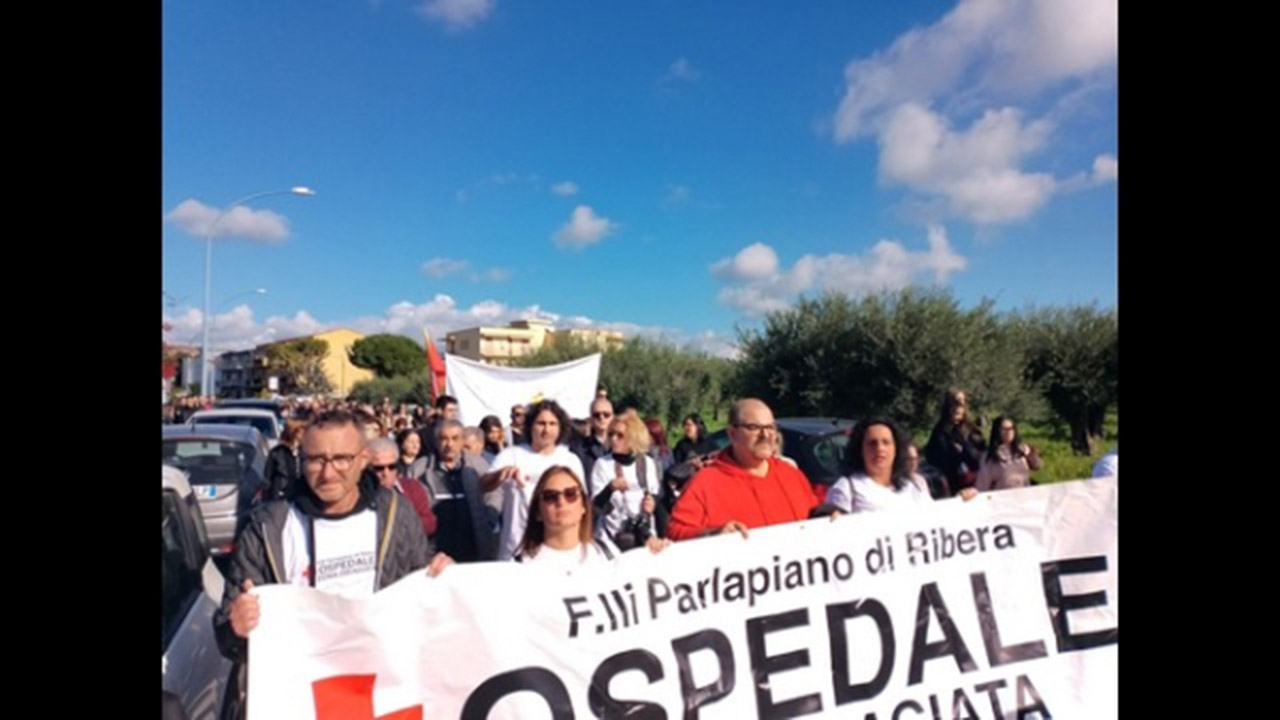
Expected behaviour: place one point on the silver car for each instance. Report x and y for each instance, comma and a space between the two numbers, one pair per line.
264, 421
192, 669
224, 464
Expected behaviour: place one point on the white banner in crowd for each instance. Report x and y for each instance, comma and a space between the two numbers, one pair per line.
997, 608
492, 389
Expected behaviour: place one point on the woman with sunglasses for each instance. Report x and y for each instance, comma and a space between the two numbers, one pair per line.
559, 535
626, 484
1008, 462
517, 468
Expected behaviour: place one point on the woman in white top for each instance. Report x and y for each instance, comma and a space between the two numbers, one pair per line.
517, 469
879, 478
559, 535
626, 484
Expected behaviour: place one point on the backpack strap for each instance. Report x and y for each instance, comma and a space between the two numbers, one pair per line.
604, 548
641, 472
386, 533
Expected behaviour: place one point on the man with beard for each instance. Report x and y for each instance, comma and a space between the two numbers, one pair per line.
746, 485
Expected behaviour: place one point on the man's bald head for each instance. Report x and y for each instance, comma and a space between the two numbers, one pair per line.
752, 431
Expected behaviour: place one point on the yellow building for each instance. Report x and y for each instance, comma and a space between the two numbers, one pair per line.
520, 338
337, 364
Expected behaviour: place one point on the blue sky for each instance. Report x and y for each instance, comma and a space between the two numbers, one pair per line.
670, 169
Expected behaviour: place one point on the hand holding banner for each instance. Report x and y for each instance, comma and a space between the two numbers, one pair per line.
1002, 606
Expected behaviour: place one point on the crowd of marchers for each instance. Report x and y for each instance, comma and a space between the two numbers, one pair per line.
358, 496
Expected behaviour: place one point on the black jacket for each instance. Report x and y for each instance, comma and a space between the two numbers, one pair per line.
281, 472
687, 448
955, 450
259, 555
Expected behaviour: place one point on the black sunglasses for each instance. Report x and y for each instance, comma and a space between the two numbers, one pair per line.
383, 468
552, 497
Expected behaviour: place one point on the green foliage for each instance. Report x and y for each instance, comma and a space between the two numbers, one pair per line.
1073, 360
656, 378
402, 389
890, 354
388, 355
300, 366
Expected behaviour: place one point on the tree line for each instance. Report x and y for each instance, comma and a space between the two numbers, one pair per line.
892, 354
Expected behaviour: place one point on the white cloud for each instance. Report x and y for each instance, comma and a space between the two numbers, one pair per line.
759, 285
238, 330
1106, 169
441, 267
493, 274
984, 53
456, 14
682, 69
195, 218
584, 228
989, 47
677, 194
565, 188
752, 262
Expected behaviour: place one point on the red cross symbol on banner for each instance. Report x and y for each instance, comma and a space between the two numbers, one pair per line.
350, 697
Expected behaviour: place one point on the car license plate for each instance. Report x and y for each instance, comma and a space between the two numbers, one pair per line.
205, 491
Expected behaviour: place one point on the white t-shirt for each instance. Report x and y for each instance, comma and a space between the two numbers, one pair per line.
859, 493
626, 503
516, 495
346, 553
573, 561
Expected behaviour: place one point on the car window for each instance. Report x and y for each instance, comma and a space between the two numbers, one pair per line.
266, 426
208, 462
829, 452
180, 580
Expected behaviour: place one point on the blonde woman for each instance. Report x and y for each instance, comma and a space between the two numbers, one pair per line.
625, 485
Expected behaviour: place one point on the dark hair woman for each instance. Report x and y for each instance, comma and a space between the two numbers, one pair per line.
694, 442
956, 445
494, 438
516, 469
282, 469
879, 474
1009, 461
412, 463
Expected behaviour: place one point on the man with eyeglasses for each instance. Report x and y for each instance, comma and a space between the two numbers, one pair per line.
746, 485
595, 445
334, 533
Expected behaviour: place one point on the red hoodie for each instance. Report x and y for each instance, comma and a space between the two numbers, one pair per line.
724, 491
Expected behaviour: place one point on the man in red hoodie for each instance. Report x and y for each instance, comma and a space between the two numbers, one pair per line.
745, 486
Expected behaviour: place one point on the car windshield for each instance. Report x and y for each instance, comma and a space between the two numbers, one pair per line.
207, 461
829, 452
265, 425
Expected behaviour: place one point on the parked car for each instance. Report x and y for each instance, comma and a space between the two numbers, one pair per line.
192, 669
264, 421
256, 404
817, 445
225, 466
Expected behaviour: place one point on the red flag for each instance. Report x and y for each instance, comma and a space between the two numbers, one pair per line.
435, 365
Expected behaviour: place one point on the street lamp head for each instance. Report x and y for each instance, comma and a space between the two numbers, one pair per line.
301, 190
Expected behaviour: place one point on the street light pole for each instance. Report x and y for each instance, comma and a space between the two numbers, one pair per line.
208, 273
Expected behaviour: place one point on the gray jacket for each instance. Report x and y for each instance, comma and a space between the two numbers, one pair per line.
259, 556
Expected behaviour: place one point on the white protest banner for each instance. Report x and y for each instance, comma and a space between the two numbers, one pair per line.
1003, 607
492, 389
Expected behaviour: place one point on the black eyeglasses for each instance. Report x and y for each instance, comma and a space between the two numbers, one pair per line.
552, 497
383, 468
756, 427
